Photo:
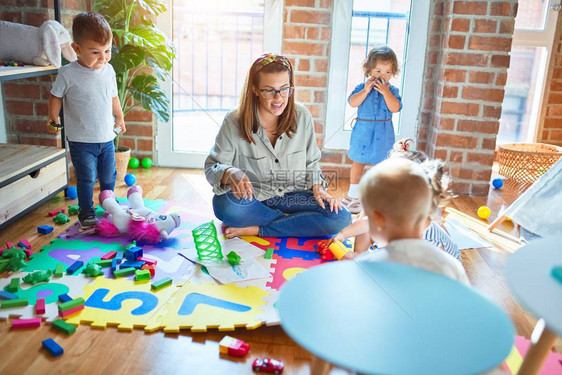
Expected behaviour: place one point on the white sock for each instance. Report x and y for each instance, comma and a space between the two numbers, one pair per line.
353, 191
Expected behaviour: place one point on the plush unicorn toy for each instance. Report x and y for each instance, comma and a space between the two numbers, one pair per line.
139, 222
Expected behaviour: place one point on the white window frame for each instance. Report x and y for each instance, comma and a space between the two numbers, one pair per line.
338, 139
272, 41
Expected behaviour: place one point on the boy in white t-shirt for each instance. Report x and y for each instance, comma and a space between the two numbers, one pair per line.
92, 111
397, 200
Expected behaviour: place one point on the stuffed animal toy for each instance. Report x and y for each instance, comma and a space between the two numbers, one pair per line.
35, 45
139, 222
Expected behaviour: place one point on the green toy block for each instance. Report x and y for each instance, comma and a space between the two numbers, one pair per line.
233, 258
161, 283
72, 210
268, 253
14, 285
141, 275
71, 304
104, 262
61, 325
124, 271
14, 303
59, 270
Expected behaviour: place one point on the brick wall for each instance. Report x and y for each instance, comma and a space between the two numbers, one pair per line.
550, 128
466, 70
26, 100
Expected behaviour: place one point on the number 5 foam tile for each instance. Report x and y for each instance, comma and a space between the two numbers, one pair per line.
202, 306
122, 303
50, 291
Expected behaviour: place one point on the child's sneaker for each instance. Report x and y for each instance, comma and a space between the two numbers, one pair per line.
88, 220
353, 205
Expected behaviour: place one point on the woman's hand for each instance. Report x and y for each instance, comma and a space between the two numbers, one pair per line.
322, 196
239, 183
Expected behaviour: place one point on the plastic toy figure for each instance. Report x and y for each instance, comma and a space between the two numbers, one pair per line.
272, 366
37, 277
233, 258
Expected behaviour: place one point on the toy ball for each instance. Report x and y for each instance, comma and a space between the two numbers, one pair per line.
134, 163
130, 179
484, 212
146, 163
497, 183
71, 192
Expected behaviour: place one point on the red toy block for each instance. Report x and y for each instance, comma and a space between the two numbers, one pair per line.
149, 268
9, 245
56, 211
234, 347
27, 252
109, 255
66, 313
26, 323
150, 262
24, 243
40, 306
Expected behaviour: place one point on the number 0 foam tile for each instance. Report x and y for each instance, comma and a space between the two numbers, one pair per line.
71, 285
122, 303
202, 306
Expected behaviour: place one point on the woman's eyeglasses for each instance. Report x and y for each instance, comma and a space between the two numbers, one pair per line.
285, 92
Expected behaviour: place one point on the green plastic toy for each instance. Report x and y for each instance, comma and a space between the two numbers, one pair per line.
131, 245
93, 270
73, 210
37, 277
99, 211
61, 218
13, 252
15, 264
206, 241
233, 258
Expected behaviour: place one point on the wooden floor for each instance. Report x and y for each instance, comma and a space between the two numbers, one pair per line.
109, 351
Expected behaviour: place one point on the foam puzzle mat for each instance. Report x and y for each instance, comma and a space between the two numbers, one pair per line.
194, 301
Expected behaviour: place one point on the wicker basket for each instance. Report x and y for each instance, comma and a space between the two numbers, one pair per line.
526, 162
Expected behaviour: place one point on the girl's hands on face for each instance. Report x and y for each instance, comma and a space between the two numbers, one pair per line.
240, 184
322, 197
381, 85
369, 84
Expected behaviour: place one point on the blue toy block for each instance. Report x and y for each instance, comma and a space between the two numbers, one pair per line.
52, 347
133, 253
114, 264
44, 229
74, 267
119, 257
7, 295
137, 264
64, 298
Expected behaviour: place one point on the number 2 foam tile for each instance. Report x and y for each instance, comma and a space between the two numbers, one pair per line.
202, 306
121, 303
50, 291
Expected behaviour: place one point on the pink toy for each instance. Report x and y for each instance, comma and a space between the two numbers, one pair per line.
66, 313
109, 255
139, 222
26, 323
56, 211
150, 262
40, 306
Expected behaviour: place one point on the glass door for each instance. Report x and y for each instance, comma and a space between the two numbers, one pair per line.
216, 42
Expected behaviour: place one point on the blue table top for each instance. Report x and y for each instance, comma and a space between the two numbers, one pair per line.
528, 274
389, 318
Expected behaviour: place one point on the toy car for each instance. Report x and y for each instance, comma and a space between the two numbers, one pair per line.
272, 366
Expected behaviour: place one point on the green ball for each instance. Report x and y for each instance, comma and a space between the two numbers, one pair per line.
134, 163
146, 163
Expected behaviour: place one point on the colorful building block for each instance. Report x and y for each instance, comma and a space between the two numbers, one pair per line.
26, 323
114, 264
142, 275
150, 269
19, 302
52, 347
14, 285
40, 306
161, 283
24, 243
109, 255
119, 256
104, 262
234, 347
61, 325
68, 305
44, 229
64, 314
59, 270
133, 253
74, 267
123, 272
64, 298
56, 211
268, 253
135, 264
150, 262
7, 295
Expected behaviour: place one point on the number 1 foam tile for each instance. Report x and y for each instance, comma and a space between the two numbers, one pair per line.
67, 284
202, 306
122, 303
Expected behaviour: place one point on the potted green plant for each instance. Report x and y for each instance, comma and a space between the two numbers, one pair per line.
141, 57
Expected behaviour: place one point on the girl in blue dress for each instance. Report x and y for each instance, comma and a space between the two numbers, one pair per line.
373, 134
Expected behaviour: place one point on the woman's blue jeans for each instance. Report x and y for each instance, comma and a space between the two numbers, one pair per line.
92, 160
296, 214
